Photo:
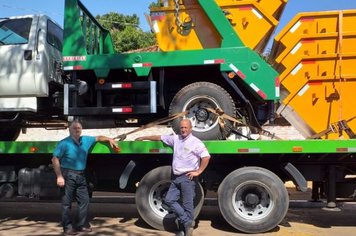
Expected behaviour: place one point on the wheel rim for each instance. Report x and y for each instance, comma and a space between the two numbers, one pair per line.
202, 120
156, 197
252, 200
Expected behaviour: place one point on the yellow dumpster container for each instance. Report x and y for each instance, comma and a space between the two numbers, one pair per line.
312, 24
316, 56
253, 20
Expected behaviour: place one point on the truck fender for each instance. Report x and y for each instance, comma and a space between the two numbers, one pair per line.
126, 174
296, 176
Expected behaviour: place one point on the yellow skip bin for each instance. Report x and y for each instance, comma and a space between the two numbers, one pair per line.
253, 20
316, 57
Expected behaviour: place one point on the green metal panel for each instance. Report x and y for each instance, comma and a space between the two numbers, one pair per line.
75, 32
214, 147
256, 70
27, 147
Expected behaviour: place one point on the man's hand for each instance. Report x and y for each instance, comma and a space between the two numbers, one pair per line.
113, 144
60, 181
192, 174
110, 141
203, 165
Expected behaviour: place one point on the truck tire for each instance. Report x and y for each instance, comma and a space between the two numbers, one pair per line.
149, 199
196, 98
253, 199
7, 190
9, 133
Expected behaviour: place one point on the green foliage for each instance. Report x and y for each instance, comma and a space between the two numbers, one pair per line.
117, 21
156, 4
125, 31
131, 38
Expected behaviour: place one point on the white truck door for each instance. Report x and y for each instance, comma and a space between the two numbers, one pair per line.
17, 64
48, 54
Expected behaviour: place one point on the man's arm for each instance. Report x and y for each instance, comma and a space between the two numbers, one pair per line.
57, 170
110, 141
150, 137
203, 164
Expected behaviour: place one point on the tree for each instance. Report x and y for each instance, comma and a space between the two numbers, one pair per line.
125, 31
158, 3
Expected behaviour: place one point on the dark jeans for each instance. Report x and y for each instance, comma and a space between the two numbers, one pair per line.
182, 188
75, 188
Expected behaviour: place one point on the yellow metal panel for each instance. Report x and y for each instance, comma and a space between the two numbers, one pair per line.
314, 47
168, 37
313, 24
273, 7
324, 104
252, 25
322, 91
252, 20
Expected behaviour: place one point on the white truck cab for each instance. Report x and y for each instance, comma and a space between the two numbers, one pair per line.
30, 67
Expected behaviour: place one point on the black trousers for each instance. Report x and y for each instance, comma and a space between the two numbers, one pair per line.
75, 188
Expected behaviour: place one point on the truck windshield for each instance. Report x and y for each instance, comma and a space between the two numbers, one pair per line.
15, 31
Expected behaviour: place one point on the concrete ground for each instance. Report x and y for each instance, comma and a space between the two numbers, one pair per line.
109, 219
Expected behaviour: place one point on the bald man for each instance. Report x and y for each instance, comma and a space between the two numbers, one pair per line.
190, 159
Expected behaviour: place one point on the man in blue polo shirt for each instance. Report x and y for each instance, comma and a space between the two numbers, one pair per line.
69, 163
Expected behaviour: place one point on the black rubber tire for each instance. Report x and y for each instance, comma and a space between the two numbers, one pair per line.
194, 98
9, 133
149, 197
262, 187
7, 190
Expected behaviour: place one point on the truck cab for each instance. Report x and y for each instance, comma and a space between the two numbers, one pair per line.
30, 69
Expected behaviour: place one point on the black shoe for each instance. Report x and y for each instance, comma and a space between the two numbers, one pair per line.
85, 229
70, 232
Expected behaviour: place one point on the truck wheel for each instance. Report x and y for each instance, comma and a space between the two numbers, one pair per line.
253, 199
7, 190
150, 195
9, 133
195, 98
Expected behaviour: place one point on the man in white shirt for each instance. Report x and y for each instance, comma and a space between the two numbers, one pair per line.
190, 158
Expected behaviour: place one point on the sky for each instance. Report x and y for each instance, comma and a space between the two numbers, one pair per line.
55, 8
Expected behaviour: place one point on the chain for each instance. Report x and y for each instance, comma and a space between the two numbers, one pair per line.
176, 14
184, 27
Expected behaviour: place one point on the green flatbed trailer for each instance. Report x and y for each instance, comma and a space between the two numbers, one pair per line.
248, 176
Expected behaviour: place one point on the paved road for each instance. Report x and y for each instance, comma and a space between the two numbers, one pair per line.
34, 218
